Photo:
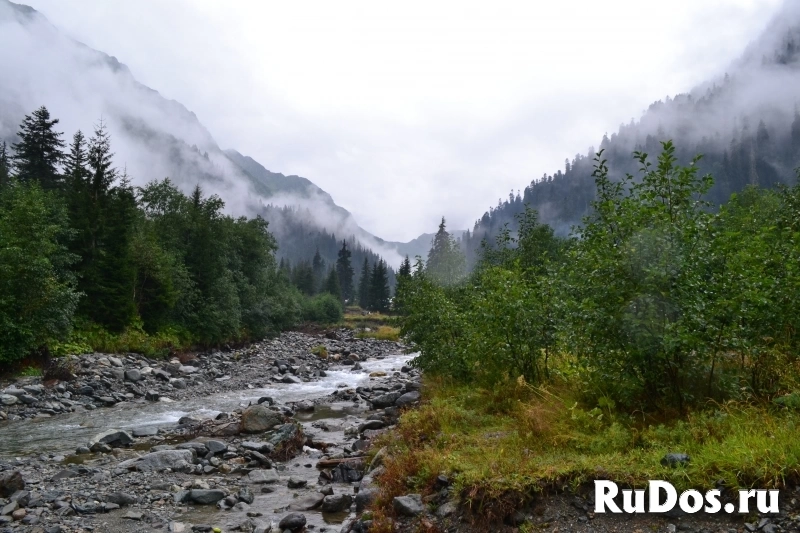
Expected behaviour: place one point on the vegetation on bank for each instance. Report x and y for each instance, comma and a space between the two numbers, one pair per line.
90, 262
661, 325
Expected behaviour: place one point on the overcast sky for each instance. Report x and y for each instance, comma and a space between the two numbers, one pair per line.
408, 111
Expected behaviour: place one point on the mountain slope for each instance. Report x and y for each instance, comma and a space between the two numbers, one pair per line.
745, 123
153, 137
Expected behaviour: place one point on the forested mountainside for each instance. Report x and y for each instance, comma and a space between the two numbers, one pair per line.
154, 137
745, 124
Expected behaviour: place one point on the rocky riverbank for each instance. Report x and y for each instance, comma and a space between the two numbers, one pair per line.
280, 461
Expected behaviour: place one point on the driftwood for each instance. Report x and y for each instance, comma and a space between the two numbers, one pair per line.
328, 463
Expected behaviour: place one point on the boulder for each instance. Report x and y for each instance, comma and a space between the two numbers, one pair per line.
10, 482
307, 503
161, 460
407, 399
293, 521
206, 496
257, 419
408, 505
385, 400
336, 503
262, 476
121, 498
112, 436
7, 399
133, 375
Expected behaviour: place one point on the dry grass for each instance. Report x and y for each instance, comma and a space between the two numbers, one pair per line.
383, 333
501, 447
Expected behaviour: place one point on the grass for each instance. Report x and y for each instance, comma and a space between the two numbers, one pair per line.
383, 333
501, 447
89, 338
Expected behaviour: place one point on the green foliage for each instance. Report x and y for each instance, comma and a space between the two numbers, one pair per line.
659, 302
155, 269
446, 264
38, 153
37, 288
344, 269
323, 308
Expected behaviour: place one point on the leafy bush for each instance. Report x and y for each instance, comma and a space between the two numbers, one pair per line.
323, 308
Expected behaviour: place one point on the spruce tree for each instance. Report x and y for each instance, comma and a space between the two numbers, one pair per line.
379, 287
344, 269
318, 266
5, 165
76, 161
405, 269
364, 286
38, 153
446, 264
332, 284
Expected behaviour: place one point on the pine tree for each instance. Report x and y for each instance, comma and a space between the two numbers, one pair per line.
5, 165
318, 266
405, 269
364, 286
379, 287
332, 284
344, 269
76, 161
446, 264
38, 154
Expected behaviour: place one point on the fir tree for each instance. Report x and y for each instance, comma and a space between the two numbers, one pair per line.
76, 161
38, 154
364, 286
344, 269
318, 266
446, 264
332, 284
5, 165
405, 269
379, 287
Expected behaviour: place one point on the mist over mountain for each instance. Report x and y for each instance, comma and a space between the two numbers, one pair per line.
745, 123
152, 137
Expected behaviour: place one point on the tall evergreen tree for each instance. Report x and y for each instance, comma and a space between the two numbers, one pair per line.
38, 154
318, 266
379, 287
446, 264
405, 268
364, 289
76, 162
345, 271
332, 284
5, 164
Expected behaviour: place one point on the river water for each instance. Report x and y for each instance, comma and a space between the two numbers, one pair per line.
64, 433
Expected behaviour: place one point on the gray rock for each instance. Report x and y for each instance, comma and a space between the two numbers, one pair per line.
675, 459
288, 378
27, 399
262, 476
112, 436
246, 495
186, 369
336, 503
149, 431
152, 395
263, 447
206, 496
293, 521
407, 399
409, 505
385, 400
121, 498
160, 460
257, 419
307, 503
295, 483
133, 375
364, 498
371, 424
8, 399
10, 482
115, 361
216, 446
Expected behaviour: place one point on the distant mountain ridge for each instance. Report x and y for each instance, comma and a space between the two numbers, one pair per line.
153, 137
745, 123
